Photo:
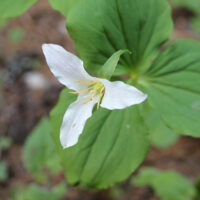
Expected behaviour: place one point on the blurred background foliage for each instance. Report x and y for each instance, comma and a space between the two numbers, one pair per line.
39, 153
168, 185
33, 191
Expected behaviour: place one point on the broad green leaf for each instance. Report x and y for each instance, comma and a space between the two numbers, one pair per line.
109, 67
63, 6
35, 192
39, 151
168, 185
112, 145
100, 28
3, 171
172, 84
160, 135
14, 8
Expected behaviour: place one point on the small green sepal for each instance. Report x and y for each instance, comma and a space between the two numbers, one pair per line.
110, 65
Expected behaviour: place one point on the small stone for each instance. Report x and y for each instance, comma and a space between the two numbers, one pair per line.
35, 80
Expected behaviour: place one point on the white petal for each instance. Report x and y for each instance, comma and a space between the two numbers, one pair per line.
74, 120
119, 95
65, 66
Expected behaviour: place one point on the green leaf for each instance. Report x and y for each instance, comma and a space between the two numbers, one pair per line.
172, 84
109, 67
145, 176
3, 171
63, 6
160, 135
14, 8
112, 145
168, 185
138, 26
39, 152
33, 192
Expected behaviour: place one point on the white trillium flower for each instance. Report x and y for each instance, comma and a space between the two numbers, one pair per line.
69, 70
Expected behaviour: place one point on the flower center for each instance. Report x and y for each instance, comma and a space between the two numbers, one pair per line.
94, 88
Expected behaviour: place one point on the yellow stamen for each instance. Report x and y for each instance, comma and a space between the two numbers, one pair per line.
91, 98
87, 83
79, 92
94, 88
100, 97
